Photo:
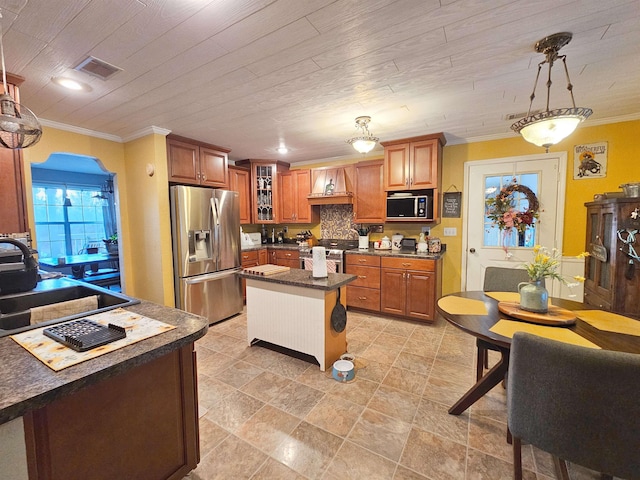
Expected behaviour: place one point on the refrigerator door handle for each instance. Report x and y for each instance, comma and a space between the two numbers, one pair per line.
210, 276
215, 212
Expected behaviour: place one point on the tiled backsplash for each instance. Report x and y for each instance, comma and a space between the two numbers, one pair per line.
336, 222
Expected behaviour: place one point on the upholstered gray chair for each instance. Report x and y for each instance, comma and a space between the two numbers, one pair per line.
579, 404
497, 279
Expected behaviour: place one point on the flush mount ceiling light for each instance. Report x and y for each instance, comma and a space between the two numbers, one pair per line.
282, 149
549, 127
71, 84
19, 127
364, 142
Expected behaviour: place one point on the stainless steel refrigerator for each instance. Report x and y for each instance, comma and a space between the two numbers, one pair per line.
206, 251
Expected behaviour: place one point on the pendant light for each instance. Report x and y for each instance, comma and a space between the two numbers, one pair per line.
19, 127
363, 142
549, 127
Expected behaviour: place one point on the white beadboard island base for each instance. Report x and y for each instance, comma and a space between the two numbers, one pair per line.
297, 314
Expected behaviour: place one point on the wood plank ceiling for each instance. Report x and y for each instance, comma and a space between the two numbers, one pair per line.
251, 74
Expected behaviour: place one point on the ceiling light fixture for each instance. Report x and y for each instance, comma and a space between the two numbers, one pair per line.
364, 142
70, 84
549, 127
19, 127
283, 150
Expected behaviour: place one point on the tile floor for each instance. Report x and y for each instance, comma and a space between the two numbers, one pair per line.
266, 415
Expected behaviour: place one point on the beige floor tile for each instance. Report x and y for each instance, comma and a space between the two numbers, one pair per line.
380, 433
356, 347
402, 328
238, 374
297, 399
457, 350
232, 459
381, 353
492, 405
419, 347
370, 369
359, 391
210, 436
265, 386
414, 362
268, 428
434, 417
403, 473
314, 378
214, 363
454, 372
406, 380
428, 335
362, 334
308, 450
211, 391
288, 367
335, 414
356, 463
233, 410
444, 391
435, 457
260, 356
272, 470
395, 403
389, 340
481, 466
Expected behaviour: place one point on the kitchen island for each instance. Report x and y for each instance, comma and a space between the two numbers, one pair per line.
130, 413
293, 310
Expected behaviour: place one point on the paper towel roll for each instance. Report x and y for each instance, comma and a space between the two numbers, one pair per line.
319, 262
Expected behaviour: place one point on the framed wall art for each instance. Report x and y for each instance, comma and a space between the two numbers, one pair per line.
590, 160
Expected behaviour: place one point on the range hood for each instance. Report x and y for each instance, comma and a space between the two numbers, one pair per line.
331, 186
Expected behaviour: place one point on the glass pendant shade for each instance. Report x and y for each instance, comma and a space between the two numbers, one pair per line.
365, 142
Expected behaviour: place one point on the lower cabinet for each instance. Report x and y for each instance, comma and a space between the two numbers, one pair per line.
252, 258
409, 287
142, 423
364, 292
285, 258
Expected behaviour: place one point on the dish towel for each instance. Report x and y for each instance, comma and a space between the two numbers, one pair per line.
331, 265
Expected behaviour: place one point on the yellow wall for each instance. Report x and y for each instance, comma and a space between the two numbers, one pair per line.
622, 167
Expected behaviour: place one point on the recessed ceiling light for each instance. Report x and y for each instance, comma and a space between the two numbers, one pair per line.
71, 84
283, 150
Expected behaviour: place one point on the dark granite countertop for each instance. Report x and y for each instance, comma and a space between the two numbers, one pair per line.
304, 278
276, 246
396, 253
26, 383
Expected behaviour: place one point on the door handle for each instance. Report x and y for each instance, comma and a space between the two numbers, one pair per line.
472, 250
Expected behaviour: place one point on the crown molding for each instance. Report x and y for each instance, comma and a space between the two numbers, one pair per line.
80, 130
147, 131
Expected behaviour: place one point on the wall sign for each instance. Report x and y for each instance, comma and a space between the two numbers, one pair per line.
451, 204
590, 160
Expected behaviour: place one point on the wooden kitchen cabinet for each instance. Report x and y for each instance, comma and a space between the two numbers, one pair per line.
370, 197
410, 287
295, 187
612, 283
252, 258
264, 188
13, 211
239, 181
364, 292
196, 163
413, 163
285, 258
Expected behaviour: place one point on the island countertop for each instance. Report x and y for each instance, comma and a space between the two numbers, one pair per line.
303, 278
26, 383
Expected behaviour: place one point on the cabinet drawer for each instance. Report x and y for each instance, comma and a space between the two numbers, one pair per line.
410, 264
367, 298
287, 254
368, 277
369, 260
249, 257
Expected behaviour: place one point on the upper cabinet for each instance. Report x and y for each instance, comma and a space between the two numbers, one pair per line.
239, 181
294, 207
197, 163
13, 211
369, 205
413, 163
264, 188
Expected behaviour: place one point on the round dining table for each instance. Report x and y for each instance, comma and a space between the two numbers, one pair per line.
479, 325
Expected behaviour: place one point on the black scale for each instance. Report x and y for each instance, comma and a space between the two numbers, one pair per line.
85, 334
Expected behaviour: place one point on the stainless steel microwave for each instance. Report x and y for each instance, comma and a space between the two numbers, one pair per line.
407, 206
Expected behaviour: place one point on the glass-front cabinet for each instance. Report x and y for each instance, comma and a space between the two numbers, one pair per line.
264, 189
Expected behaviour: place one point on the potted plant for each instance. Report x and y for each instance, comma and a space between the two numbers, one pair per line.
111, 244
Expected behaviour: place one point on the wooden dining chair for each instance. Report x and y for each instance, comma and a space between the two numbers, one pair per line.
496, 279
578, 404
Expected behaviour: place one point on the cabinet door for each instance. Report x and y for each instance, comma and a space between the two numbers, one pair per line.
13, 216
396, 167
598, 274
213, 168
239, 182
264, 192
287, 197
423, 169
304, 211
263, 257
370, 200
184, 161
393, 291
420, 295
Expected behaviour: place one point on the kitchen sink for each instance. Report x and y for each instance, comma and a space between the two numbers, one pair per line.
15, 313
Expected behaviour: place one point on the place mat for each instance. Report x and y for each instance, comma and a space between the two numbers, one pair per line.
555, 316
58, 356
504, 296
610, 322
462, 306
507, 328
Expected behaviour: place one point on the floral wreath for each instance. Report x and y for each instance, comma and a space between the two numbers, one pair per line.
500, 208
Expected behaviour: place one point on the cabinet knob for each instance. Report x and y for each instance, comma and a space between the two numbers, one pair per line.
406, 264
362, 276
406, 181
362, 298
362, 260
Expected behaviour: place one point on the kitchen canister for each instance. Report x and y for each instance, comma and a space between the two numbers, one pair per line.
396, 241
435, 245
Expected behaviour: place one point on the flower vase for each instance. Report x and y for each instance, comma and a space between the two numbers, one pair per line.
534, 296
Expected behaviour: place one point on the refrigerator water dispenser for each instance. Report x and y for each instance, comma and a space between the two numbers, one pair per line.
199, 245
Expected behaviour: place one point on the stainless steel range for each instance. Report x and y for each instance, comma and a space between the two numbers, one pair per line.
335, 254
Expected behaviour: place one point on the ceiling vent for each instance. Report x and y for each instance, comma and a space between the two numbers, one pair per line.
97, 68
